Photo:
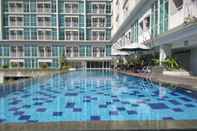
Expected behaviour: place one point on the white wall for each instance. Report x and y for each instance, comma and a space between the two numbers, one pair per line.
177, 17
122, 13
194, 61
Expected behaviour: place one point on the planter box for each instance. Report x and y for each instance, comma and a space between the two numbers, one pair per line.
176, 73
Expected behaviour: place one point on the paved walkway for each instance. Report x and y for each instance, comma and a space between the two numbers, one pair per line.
189, 82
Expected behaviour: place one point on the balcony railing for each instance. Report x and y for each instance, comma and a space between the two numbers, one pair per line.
46, 10
44, 23
14, 9
16, 23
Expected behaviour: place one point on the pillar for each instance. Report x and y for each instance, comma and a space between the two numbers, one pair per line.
1, 19
1, 78
165, 51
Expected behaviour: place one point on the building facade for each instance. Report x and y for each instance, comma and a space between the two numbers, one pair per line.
34, 33
167, 26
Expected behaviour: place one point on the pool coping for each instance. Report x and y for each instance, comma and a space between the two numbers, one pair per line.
160, 81
169, 125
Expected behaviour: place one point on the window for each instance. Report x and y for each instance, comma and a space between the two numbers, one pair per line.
44, 7
43, 21
68, 21
95, 50
16, 34
68, 35
16, 21
68, 8
72, 35
98, 22
68, 51
98, 8
16, 7
44, 34
178, 4
71, 8
102, 51
72, 21
98, 35
75, 51
41, 51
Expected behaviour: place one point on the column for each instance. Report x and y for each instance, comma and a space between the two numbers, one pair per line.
1, 78
57, 18
1, 19
85, 29
165, 51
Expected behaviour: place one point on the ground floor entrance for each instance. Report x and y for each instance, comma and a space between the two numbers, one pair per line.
98, 65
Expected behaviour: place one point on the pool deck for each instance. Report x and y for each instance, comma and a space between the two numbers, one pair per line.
105, 126
187, 82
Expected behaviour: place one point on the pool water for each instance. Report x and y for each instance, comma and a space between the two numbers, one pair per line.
96, 96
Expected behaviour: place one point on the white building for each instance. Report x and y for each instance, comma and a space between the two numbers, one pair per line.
169, 26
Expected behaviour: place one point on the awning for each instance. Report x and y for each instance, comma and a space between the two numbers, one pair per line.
135, 47
116, 52
17, 60
45, 61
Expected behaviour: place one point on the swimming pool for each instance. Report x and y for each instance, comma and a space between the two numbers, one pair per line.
95, 96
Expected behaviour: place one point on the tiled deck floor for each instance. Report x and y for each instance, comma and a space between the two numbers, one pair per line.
105, 126
189, 82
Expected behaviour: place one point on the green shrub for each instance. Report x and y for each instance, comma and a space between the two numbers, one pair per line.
169, 63
44, 66
6, 66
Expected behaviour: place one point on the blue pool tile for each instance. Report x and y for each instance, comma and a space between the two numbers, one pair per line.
157, 106
102, 106
71, 94
13, 109
112, 113
95, 118
108, 103
185, 99
26, 106
41, 109
189, 105
38, 103
19, 113
32, 121
77, 110
174, 102
48, 101
70, 105
177, 110
24, 117
131, 112
121, 108
57, 113
86, 101
2, 120
168, 118
134, 105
